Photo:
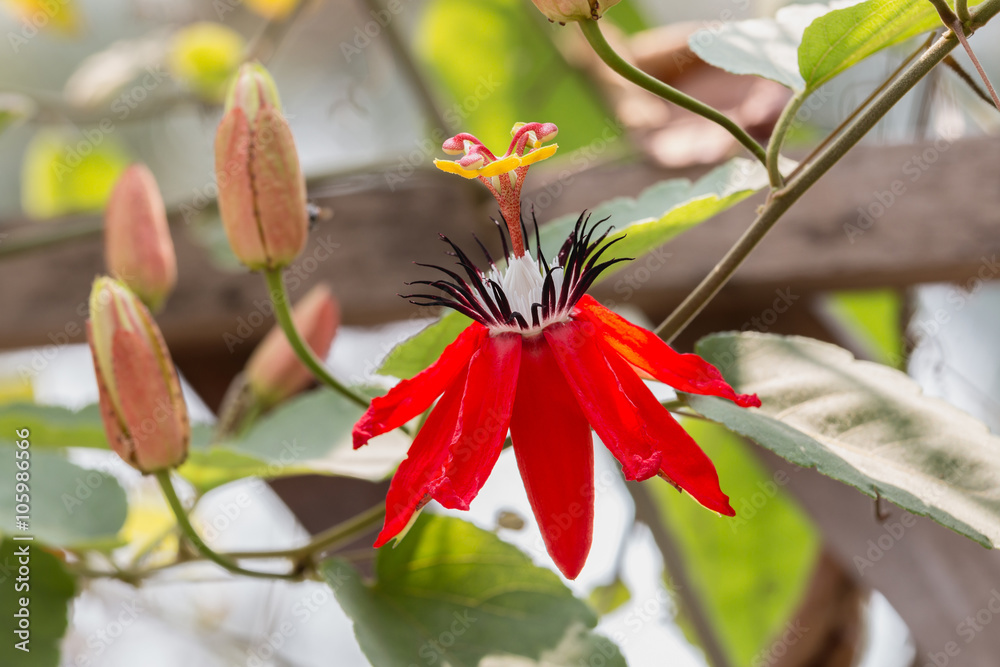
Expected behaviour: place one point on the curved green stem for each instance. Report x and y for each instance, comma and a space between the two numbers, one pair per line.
338, 535
781, 200
778, 138
592, 31
163, 477
861, 107
962, 9
342, 533
279, 297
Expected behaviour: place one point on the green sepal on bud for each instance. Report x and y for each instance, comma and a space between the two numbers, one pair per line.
253, 88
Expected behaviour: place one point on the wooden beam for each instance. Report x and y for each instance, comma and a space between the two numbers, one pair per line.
941, 225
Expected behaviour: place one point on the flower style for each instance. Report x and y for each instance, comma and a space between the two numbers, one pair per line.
545, 361
503, 176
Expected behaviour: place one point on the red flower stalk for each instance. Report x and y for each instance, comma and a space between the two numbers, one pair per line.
548, 363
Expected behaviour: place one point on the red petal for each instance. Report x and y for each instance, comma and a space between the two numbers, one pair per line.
483, 420
555, 454
630, 421
426, 460
455, 451
646, 350
411, 397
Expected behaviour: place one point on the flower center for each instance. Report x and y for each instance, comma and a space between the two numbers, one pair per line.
529, 294
523, 283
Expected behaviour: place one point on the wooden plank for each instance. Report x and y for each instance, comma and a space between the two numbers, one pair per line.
945, 226
940, 228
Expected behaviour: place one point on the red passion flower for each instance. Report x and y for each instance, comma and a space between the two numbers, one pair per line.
548, 363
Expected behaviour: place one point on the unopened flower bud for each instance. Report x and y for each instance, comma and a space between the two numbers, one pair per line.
564, 11
274, 372
262, 194
137, 245
142, 407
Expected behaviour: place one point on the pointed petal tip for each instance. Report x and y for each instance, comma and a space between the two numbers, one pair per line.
747, 400
361, 433
571, 568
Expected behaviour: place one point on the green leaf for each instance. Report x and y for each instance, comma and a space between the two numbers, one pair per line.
310, 433
762, 47
454, 594
864, 424
70, 506
767, 551
664, 210
873, 318
605, 599
54, 426
516, 74
423, 348
844, 37
51, 588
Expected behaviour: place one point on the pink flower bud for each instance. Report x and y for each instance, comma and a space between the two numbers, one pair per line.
137, 245
564, 11
262, 194
274, 371
140, 395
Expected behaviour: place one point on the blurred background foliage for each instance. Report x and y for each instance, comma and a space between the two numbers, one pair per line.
97, 84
